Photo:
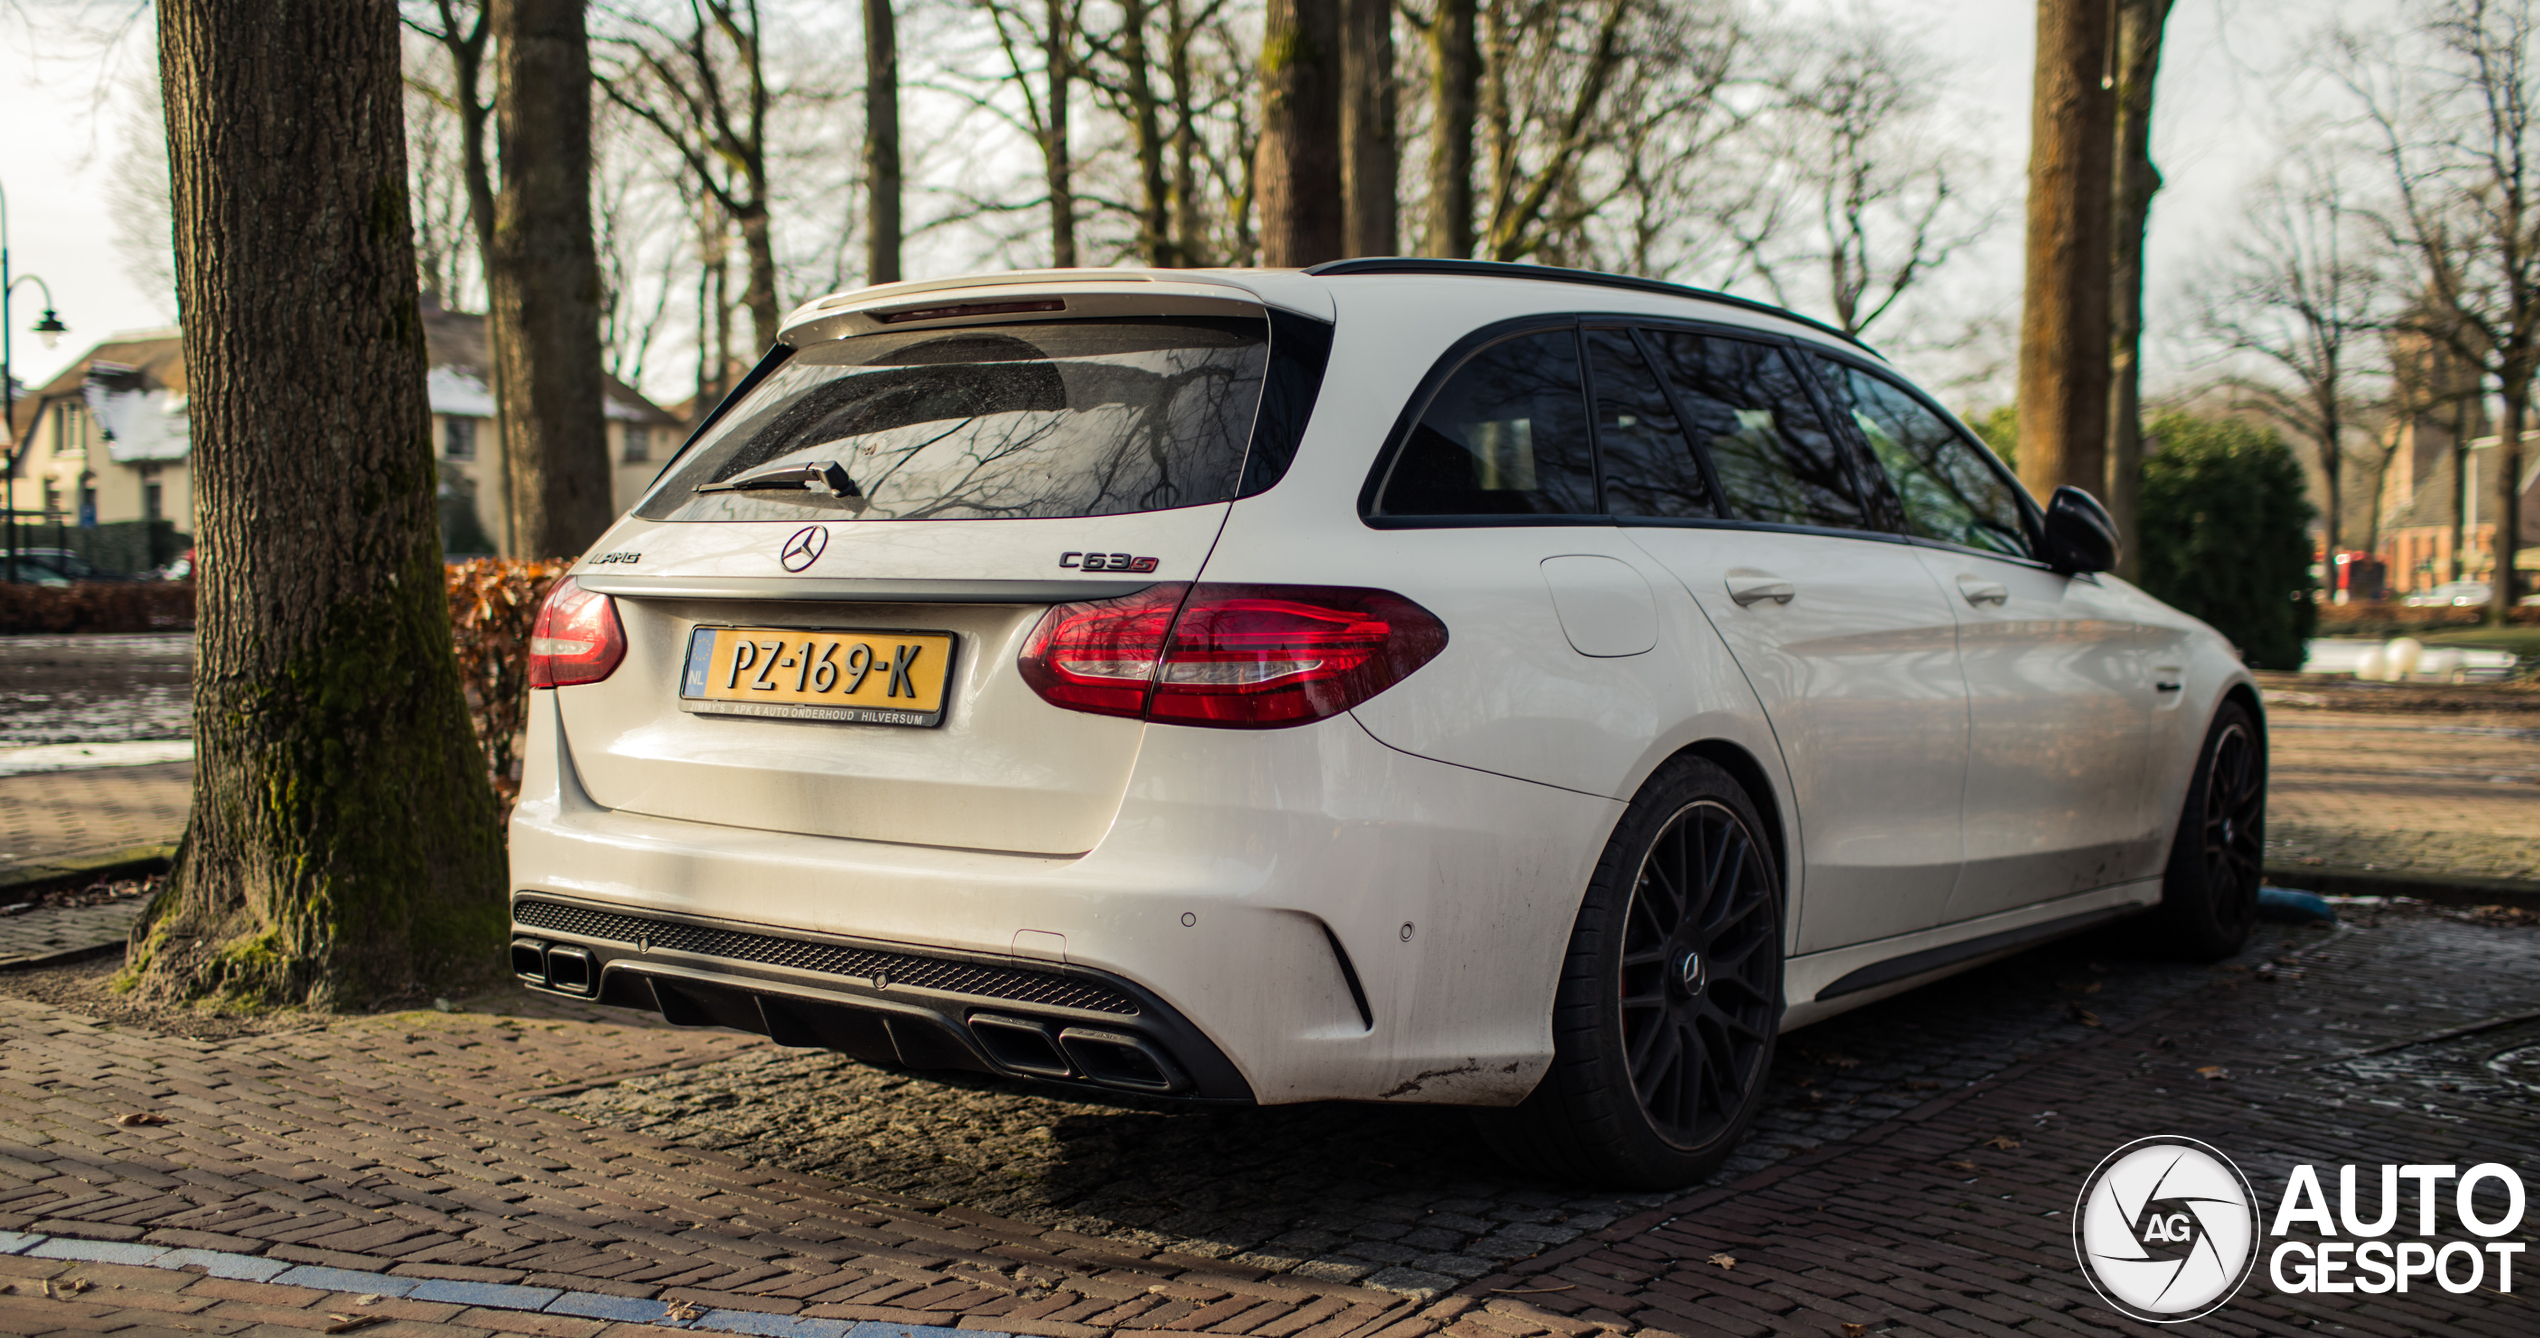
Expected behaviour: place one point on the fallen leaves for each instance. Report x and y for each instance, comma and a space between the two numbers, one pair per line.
139, 1118
1852, 1330
2214, 1073
1961, 1165
2003, 1141
348, 1323
1725, 1261
682, 1311
2083, 986
2082, 1015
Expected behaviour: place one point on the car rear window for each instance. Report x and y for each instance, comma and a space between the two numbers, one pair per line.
1027, 421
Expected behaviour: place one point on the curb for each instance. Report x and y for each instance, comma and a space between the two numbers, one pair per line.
115, 863
482, 1295
2441, 889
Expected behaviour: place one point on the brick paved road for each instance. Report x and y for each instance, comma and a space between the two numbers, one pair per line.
43, 934
395, 1144
1401, 1197
96, 689
2426, 794
55, 816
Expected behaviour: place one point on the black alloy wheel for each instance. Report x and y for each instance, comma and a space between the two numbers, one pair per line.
1701, 974
2209, 895
1669, 999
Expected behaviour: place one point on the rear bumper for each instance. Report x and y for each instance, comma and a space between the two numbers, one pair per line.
1294, 915
874, 1001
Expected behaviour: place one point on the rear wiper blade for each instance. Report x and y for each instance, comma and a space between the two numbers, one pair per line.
821, 476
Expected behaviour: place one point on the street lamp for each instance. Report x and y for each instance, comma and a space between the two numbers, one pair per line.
50, 329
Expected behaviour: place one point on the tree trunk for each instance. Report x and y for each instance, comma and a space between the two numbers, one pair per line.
1146, 133
2463, 419
1190, 226
1058, 47
343, 849
881, 143
1298, 182
758, 249
1455, 71
2503, 588
467, 87
544, 275
2064, 327
2138, 56
1370, 163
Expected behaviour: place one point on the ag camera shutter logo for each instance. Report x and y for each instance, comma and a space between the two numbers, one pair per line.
2166, 1229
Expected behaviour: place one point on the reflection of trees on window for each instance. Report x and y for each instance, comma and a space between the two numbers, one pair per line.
1950, 491
1506, 435
1085, 418
1746, 407
1649, 467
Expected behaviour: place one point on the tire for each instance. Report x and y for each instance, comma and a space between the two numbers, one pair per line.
2209, 893
1659, 1063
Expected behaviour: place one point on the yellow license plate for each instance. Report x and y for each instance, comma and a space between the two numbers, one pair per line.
867, 678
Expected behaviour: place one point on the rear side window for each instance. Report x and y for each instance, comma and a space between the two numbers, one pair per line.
1043, 420
1950, 492
1650, 469
1506, 435
1747, 408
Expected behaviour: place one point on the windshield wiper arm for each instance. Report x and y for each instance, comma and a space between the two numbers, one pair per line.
818, 476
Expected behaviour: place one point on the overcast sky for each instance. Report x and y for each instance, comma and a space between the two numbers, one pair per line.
2219, 122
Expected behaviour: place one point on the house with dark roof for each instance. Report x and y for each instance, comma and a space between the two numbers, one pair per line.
108, 440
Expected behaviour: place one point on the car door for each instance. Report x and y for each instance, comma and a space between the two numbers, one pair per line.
2063, 681
1843, 634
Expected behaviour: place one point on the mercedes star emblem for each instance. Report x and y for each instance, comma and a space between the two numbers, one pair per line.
804, 548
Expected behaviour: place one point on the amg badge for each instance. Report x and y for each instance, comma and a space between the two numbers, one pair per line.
1106, 562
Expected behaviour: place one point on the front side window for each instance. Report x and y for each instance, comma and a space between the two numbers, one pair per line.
1095, 417
458, 438
1650, 468
1775, 460
1950, 492
1506, 435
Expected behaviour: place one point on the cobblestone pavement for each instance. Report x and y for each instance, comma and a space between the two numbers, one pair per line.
96, 689
1951, 1219
1403, 1198
56, 816
396, 1147
42, 933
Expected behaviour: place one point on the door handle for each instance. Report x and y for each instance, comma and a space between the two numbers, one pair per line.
1984, 592
1748, 587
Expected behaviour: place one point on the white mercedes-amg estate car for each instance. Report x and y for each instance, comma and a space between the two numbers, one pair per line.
1393, 681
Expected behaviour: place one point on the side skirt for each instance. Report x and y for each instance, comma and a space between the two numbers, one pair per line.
1823, 984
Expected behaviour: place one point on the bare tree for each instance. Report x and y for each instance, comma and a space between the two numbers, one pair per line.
343, 848
2138, 66
1040, 42
1855, 185
2454, 122
703, 87
2064, 326
1298, 191
2299, 293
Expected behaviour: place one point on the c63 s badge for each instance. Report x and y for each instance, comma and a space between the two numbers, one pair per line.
1106, 562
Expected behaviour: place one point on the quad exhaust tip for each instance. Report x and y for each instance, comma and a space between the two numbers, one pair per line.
554, 966
1124, 1060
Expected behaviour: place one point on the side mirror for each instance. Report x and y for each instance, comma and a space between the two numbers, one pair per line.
2080, 534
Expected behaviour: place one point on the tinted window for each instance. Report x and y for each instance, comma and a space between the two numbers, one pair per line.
1650, 469
1060, 418
1773, 456
1506, 435
1949, 490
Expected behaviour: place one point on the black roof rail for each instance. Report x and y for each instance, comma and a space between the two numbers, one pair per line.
1500, 269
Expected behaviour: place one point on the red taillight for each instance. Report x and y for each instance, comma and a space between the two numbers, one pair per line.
1233, 657
576, 639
